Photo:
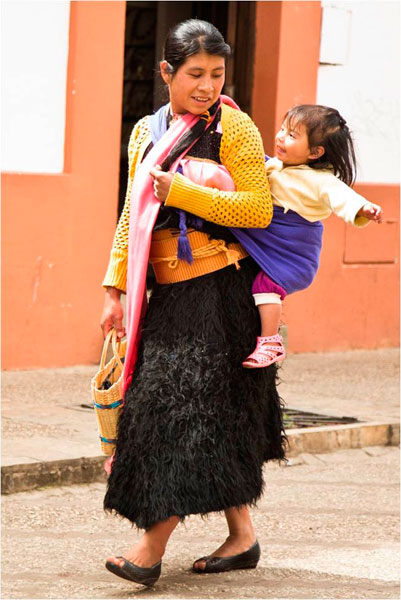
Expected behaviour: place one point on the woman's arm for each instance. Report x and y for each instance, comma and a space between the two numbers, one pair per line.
242, 153
116, 274
115, 280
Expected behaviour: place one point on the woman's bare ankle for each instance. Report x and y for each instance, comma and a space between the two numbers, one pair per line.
154, 546
243, 535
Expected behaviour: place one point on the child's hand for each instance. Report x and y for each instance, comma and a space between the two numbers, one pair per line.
371, 211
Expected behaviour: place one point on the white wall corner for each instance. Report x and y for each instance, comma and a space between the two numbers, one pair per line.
335, 35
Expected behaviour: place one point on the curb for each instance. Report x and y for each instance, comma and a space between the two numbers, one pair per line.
317, 440
31, 476
312, 440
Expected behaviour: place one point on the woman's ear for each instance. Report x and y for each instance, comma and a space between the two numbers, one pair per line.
316, 153
164, 72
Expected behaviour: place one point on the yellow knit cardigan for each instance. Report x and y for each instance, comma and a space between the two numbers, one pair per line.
241, 152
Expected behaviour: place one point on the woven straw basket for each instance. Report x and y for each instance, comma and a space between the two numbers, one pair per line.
106, 392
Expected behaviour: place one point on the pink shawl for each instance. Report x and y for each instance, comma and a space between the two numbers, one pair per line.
143, 213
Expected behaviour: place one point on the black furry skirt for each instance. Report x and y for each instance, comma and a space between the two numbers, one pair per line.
196, 426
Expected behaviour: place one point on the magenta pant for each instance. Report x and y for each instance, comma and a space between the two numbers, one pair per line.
263, 284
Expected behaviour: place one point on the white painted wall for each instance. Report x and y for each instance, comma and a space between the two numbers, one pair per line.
363, 39
34, 76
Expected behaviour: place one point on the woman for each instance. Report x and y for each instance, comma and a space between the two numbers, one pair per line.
196, 427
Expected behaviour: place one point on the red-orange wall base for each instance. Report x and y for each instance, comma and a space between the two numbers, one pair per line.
354, 300
57, 230
286, 62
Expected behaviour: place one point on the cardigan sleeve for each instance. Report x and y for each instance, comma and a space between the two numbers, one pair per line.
116, 274
343, 201
241, 152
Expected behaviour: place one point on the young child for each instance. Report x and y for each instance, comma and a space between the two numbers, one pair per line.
309, 179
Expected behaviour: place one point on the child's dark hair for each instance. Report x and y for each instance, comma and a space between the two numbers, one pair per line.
183, 40
326, 127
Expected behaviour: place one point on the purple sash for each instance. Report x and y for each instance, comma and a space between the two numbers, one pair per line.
288, 250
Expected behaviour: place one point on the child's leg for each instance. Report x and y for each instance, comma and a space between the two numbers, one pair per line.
269, 306
269, 349
268, 296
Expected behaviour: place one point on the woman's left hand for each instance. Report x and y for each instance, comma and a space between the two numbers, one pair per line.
161, 182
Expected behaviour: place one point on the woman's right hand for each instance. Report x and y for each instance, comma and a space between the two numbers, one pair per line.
113, 313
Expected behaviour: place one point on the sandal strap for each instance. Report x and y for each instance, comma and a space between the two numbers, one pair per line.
262, 355
273, 350
265, 347
271, 338
269, 347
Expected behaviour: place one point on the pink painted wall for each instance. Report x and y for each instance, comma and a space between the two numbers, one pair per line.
354, 300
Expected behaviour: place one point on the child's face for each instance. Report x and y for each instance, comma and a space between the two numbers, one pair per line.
292, 145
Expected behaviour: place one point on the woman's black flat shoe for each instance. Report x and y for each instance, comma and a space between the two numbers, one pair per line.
145, 575
218, 564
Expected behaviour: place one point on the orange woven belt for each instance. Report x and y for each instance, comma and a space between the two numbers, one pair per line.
209, 255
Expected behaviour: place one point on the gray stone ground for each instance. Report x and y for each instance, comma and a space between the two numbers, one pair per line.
42, 419
358, 383
328, 526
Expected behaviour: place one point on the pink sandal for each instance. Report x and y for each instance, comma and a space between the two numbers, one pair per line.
265, 354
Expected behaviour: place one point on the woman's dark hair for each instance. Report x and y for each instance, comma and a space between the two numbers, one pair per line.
183, 40
326, 127
191, 37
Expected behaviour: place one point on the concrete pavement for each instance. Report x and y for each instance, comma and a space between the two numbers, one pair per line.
328, 527
327, 523
49, 434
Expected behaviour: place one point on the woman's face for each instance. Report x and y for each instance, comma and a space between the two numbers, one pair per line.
197, 83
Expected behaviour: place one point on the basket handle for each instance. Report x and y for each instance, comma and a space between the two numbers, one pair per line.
112, 335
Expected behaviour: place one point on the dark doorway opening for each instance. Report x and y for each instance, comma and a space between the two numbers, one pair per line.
147, 24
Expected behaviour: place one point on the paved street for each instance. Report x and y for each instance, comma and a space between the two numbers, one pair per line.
43, 420
328, 526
